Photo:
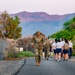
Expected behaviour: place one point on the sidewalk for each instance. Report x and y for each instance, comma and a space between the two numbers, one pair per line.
10, 67
73, 58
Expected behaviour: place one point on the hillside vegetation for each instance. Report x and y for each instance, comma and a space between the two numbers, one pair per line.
68, 32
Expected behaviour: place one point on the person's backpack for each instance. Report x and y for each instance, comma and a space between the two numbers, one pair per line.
66, 46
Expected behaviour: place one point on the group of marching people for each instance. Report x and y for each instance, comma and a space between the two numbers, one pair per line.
62, 48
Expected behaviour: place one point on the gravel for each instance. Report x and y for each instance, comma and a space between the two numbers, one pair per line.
10, 67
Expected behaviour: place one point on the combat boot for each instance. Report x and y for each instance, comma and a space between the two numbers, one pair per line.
39, 63
36, 64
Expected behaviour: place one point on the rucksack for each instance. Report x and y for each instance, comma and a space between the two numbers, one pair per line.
66, 46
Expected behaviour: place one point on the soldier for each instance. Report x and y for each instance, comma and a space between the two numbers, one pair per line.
46, 48
38, 40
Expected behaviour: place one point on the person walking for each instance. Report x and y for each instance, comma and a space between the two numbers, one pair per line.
51, 50
46, 48
62, 42
59, 49
38, 40
66, 50
54, 49
70, 48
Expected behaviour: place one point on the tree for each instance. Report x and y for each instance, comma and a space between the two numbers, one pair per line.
67, 32
69, 25
10, 26
61, 34
3, 20
25, 43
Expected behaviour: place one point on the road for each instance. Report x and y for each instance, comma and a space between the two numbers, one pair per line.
48, 67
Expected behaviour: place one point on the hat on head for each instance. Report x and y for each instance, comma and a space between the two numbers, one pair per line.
39, 32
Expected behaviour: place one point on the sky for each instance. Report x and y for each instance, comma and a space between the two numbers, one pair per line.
49, 6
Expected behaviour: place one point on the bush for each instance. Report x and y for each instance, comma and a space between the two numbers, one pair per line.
11, 51
26, 54
73, 53
12, 55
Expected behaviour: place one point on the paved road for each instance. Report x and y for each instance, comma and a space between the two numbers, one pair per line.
48, 67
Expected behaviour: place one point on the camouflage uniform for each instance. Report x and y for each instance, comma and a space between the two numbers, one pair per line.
46, 48
38, 45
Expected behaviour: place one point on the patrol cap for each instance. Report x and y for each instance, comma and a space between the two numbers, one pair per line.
39, 32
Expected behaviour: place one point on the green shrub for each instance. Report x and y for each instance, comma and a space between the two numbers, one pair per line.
25, 54
12, 55
73, 53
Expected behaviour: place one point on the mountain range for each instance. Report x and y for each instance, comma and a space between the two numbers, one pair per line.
41, 21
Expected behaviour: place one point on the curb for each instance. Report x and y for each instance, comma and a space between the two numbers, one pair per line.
16, 73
